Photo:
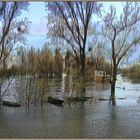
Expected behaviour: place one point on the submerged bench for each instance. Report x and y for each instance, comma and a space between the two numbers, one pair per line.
10, 104
55, 101
78, 98
103, 99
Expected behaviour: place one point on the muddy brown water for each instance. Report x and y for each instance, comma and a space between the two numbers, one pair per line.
91, 119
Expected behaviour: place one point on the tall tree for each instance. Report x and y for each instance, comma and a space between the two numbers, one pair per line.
122, 32
9, 11
69, 21
10, 26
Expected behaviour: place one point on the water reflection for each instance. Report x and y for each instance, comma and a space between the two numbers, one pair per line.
34, 90
91, 119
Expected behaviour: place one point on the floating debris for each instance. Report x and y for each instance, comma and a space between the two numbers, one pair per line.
78, 98
11, 104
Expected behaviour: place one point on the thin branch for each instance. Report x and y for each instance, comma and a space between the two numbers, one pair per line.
135, 42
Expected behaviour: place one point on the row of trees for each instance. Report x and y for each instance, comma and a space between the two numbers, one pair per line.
133, 72
43, 62
40, 62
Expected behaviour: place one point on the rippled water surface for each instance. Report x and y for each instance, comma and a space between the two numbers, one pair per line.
91, 119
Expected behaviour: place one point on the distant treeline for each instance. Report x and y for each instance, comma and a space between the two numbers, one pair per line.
43, 62
134, 72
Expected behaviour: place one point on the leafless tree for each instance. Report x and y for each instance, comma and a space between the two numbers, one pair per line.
9, 11
69, 21
122, 32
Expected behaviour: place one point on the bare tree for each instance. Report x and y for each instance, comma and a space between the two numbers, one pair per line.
122, 34
69, 21
8, 13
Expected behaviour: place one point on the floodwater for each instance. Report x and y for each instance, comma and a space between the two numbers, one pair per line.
90, 119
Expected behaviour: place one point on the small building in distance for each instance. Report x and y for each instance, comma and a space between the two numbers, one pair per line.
100, 75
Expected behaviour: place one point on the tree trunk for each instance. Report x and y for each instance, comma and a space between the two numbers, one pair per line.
43, 92
113, 84
0, 101
0, 92
4, 64
113, 93
82, 75
35, 93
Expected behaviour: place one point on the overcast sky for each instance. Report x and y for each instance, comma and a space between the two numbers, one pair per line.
37, 31
37, 16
